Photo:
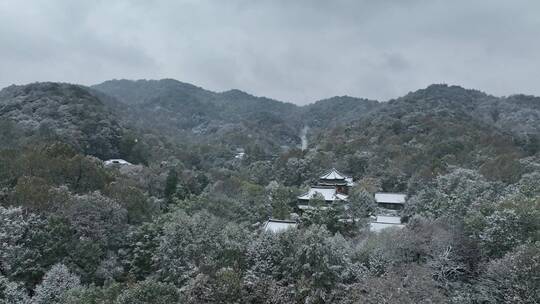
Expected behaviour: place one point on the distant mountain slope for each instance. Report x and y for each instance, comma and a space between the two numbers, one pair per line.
337, 110
238, 118
65, 112
228, 106
418, 135
517, 115
425, 132
185, 111
143, 91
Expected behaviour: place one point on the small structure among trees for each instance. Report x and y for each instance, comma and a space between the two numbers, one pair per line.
276, 226
391, 201
382, 222
388, 214
116, 162
240, 153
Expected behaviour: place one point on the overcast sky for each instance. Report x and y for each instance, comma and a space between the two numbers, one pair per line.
293, 50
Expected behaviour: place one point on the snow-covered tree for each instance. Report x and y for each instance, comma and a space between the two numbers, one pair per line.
452, 195
502, 231
12, 292
96, 217
149, 292
280, 199
22, 242
56, 282
320, 260
361, 203
197, 243
513, 278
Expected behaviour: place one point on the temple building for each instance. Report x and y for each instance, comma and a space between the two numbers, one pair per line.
328, 193
334, 178
332, 189
332, 186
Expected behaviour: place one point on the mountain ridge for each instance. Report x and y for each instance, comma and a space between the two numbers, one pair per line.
187, 114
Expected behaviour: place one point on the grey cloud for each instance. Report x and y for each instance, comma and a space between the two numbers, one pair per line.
297, 51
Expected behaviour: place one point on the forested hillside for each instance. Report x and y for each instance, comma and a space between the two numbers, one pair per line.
183, 223
65, 112
419, 136
190, 113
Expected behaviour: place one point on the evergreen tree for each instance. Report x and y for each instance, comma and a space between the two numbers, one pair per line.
12, 292
171, 184
56, 282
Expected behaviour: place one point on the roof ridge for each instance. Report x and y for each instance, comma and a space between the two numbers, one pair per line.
322, 186
281, 221
391, 193
328, 172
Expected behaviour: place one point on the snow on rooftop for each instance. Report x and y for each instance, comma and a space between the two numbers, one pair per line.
240, 155
342, 197
388, 219
116, 161
308, 207
392, 198
276, 226
333, 174
377, 227
328, 193
382, 222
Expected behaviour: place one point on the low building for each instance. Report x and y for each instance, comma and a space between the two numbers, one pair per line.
328, 193
276, 226
389, 208
240, 155
119, 162
392, 201
383, 222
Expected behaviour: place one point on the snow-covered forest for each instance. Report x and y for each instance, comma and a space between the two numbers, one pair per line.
181, 221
